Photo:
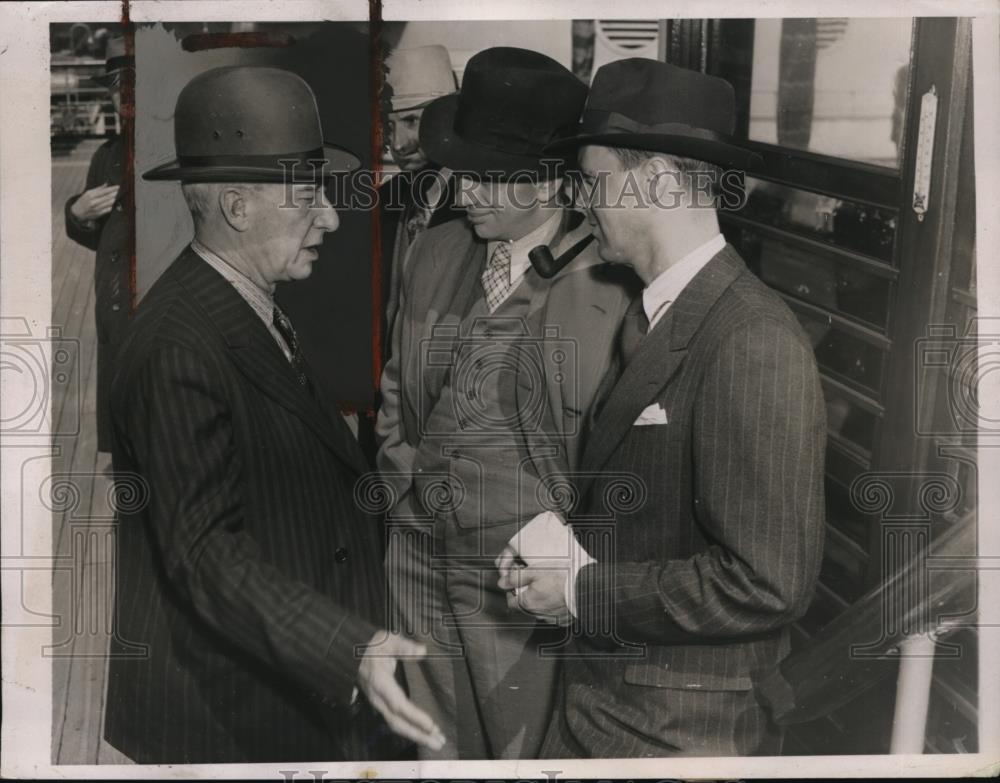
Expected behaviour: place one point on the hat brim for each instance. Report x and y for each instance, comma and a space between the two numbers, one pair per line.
720, 153
409, 104
446, 148
337, 161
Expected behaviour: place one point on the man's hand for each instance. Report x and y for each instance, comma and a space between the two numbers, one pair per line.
551, 557
377, 679
539, 590
95, 203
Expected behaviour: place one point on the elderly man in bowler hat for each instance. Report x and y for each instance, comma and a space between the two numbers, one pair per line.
96, 219
492, 371
421, 195
249, 588
715, 415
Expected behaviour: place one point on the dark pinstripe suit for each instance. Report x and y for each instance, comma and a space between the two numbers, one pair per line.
250, 575
707, 573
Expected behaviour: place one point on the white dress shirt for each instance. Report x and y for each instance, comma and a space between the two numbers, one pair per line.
519, 248
261, 301
667, 286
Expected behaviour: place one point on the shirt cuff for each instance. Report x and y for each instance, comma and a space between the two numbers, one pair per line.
579, 557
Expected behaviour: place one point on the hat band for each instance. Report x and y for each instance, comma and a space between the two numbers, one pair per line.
119, 62
595, 121
288, 160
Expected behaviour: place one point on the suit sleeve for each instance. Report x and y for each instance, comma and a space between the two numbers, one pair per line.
397, 448
758, 453
182, 435
86, 232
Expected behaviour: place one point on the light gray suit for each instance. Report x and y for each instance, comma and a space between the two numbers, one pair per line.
493, 692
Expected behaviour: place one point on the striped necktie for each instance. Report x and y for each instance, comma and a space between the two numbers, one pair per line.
284, 327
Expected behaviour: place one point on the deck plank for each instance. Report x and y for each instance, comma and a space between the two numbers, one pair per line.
79, 667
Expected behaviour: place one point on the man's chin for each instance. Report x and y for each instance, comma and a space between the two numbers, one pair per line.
411, 164
482, 230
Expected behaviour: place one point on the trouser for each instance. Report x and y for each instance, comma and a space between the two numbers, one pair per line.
486, 680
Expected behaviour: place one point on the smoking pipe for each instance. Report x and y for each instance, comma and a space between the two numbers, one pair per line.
546, 266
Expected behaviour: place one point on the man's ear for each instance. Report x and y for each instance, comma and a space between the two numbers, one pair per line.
663, 184
235, 207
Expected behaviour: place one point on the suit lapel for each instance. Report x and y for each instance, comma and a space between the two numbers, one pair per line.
659, 356
456, 276
258, 357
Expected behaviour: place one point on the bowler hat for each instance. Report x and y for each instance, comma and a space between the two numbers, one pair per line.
116, 60
415, 77
512, 103
250, 124
645, 104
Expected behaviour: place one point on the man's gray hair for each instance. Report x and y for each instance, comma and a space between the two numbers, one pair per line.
203, 197
692, 173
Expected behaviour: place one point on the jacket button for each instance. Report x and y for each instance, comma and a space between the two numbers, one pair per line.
340, 555
116, 307
118, 207
114, 255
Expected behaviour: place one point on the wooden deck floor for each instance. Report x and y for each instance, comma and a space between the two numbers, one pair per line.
82, 521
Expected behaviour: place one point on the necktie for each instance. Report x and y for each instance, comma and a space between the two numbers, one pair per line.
634, 328
496, 276
284, 327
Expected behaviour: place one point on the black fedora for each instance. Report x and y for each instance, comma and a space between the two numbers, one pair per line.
250, 124
645, 104
116, 60
512, 104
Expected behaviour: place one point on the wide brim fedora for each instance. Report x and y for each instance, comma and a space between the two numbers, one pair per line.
326, 162
416, 77
638, 103
687, 142
512, 103
448, 148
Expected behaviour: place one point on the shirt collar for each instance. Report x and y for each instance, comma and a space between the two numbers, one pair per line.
667, 286
260, 300
519, 248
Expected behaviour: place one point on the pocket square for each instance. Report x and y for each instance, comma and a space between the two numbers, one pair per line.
653, 414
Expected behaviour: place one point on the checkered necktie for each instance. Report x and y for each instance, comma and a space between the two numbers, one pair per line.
284, 327
496, 276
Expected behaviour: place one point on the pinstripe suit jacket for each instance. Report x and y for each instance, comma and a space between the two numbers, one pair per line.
720, 549
249, 575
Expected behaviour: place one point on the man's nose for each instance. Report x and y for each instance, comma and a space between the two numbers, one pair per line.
326, 215
468, 193
405, 139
